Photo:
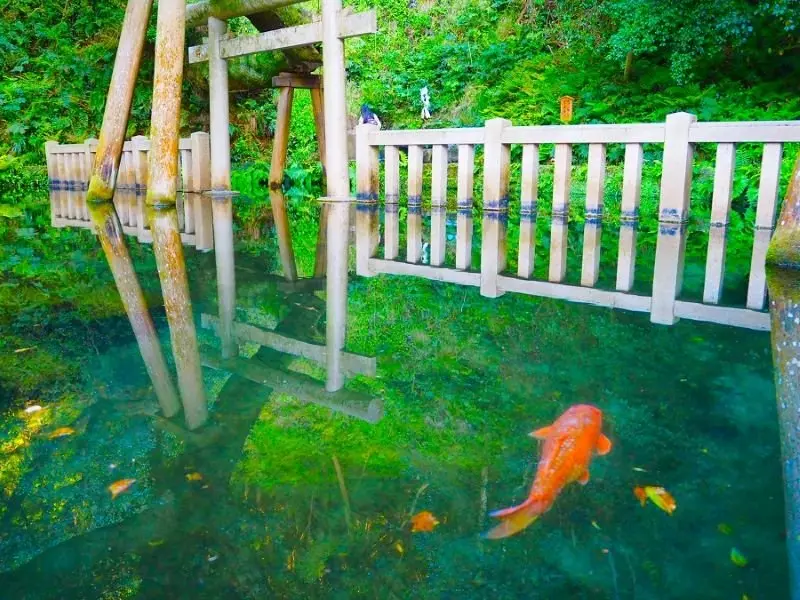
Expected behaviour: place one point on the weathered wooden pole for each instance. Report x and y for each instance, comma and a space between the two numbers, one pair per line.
784, 248
783, 281
101, 208
280, 145
221, 196
338, 190
161, 195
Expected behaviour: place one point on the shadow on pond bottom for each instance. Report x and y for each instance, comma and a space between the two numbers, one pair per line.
284, 499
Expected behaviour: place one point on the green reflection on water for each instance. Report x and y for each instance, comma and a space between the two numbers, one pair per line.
463, 379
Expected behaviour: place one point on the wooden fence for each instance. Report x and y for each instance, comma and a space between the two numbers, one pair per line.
69, 165
677, 136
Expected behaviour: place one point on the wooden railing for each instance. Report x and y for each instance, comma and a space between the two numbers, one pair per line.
677, 136
69, 165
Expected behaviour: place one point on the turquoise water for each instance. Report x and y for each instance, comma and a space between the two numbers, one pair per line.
252, 506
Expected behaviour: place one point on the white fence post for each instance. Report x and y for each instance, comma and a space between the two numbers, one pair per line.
676, 182
496, 158
367, 198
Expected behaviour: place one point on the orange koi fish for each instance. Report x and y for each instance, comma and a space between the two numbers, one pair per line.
569, 445
657, 495
120, 486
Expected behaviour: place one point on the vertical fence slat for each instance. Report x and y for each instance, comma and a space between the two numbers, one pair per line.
90, 145
201, 177
54, 182
367, 198
559, 228
765, 221
391, 233
61, 196
181, 193
676, 182
139, 156
466, 183
187, 184
529, 193
438, 205
496, 158
130, 177
80, 185
122, 193
629, 217
718, 231
71, 163
593, 226
414, 227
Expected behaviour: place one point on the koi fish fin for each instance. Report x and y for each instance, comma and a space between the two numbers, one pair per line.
603, 445
514, 520
533, 505
584, 478
543, 433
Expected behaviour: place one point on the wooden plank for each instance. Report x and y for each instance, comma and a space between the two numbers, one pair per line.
466, 186
559, 227
201, 225
585, 134
391, 267
529, 193
757, 284
720, 209
629, 217
593, 227
724, 315
574, 293
367, 199
321, 254
438, 205
63, 178
294, 80
352, 364
414, 220
304, 388
350, 25
676, 181
391, 233
744, 131
768, 185
427, 137
496, 159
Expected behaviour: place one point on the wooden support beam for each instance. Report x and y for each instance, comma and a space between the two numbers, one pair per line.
293, 80
198, 12
280, 145
352, 364
349, 25
302, 387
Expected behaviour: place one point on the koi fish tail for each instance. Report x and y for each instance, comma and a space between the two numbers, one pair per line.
516, 518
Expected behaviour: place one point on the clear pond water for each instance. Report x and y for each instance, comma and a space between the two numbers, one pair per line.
253, 507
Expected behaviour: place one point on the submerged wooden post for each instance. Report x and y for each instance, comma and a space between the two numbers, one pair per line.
414, 217
338, 191
161, 193
559, 225
221, 196
101, 209
438, 205
496, 159
366, 197
280, 145
676, 182
720, 210
391, 228
464, 201
529, 192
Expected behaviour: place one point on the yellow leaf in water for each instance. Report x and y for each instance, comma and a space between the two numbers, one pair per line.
120, 486
725, 529
399, 547
657, 495
60, 432
194, 477
21, 350
154, 543
423, 521
595, 525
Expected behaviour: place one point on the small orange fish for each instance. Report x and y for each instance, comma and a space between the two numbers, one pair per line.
657, 495
60, 432
569, 445
194, 477
118, 487
423, 521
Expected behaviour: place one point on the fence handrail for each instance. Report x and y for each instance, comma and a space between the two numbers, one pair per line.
601, 133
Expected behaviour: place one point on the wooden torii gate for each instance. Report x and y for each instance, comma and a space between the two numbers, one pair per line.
335, 25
